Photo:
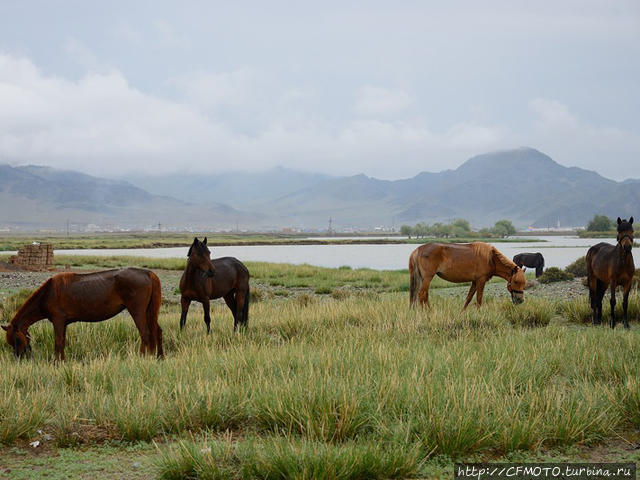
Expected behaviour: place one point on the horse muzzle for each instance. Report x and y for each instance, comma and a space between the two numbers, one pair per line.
517, 297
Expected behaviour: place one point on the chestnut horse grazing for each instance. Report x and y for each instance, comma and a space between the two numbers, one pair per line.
473, 262
91, 297
205, 279
609, 266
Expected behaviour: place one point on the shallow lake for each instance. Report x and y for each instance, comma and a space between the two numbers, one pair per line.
558, 251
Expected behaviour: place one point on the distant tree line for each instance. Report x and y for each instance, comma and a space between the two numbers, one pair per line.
601, 223
458, 228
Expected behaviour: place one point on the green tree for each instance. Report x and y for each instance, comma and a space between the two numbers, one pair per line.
601, 223
406, 230
462, 225
420, 230
503, 228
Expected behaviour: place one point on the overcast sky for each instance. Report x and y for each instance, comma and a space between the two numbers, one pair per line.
388, 88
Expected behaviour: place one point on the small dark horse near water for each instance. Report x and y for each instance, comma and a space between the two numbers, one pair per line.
91, 297
611, 266
531, 260
205, 279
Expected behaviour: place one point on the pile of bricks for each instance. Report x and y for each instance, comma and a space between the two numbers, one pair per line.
36, 256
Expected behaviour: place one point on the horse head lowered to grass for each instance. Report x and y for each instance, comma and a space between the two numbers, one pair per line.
473, 262
90, 297
205, 279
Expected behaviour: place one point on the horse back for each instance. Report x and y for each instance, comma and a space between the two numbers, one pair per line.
100, 295
231, 274
455, 262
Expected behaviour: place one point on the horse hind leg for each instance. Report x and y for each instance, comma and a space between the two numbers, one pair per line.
601, 288
242, 308
230, 300
139, 316
423, 293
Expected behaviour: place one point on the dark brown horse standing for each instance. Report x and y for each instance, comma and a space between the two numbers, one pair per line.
205, 279
91, 297
611, 266
473, 262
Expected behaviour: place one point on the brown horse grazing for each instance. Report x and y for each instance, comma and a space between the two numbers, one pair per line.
205, 279
609, 266
91, 297
473, 262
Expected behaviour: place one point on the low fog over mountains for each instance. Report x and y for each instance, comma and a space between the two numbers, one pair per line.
522, 185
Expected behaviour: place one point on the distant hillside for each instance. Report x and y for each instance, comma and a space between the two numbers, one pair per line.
523, 185
42, 197
240, 189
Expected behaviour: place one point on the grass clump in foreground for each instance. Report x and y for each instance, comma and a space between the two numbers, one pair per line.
356, 387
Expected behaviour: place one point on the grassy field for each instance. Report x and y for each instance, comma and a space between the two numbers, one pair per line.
160, 239
325, 386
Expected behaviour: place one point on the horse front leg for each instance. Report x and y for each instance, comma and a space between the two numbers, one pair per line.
480, 291
612, 302
625, 305
207, 314
470, 295
184, 303
60, 334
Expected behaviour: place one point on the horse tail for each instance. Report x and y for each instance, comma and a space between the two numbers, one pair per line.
153, 309
415, 279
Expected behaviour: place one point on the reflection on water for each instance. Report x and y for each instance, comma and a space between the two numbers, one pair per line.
557, 251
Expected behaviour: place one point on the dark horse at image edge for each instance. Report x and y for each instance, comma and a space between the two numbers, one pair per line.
91, 297
205, 279
611, 266
531, 260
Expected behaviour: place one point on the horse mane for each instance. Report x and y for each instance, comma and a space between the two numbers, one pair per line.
502, 259
29, 301
490, 254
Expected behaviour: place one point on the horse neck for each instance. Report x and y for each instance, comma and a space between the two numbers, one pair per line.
503, 266
32, 310
621, 257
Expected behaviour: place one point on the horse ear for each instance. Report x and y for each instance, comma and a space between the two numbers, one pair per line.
5, 327
524, 269
195, 241
515, 269
619, 221
630, 220
204, 242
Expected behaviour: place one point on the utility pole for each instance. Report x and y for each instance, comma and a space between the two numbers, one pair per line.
159, 227
330, 231
67, 227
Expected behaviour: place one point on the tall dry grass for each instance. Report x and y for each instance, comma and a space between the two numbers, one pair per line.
351, 387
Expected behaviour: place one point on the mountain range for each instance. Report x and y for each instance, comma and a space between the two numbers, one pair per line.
523, 185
